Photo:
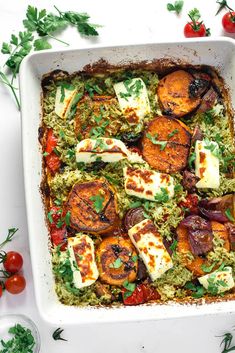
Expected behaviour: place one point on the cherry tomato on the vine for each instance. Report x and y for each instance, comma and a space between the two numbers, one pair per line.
13, 262
1, 290
15, 284
228, 22
190, 31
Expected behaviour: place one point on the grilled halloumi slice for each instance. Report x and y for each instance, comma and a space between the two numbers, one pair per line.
133, 99
64, 100
147, 184
82, 259
207, 164
152, 251
218, 281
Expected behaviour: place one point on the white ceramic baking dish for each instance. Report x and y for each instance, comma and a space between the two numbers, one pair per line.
215, 52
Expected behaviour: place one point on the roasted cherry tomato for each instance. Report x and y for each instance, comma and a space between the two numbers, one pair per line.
228, 22
190, 204
51, 141
54, 215
59, 237
13, 262
15, 284
142, 294
191, 31
53, 162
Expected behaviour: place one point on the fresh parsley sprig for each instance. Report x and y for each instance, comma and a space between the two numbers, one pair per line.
176, 7
45, 25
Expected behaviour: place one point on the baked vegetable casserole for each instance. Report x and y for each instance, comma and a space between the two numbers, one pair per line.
138, 184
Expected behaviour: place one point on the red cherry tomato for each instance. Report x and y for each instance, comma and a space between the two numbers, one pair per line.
51, 141
13, 262
1, 290
142, 294
54, 215
190, 204
228, 22
15, 284
59, 237
190, 31
53, 162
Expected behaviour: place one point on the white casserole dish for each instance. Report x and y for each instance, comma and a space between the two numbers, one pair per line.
219, 53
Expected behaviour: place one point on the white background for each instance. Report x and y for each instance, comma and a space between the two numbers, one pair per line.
123, 22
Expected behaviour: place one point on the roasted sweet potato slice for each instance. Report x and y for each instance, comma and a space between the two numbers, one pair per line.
221, 231
89, 120
92, 207
174, 94
166, 144
116, 261
195, 263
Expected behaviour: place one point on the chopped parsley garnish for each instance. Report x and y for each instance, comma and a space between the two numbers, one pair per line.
21, 342
177, 6
191, 159
174, 132
67, 218
62, 134
100, 144
208, 117
70, 153
198, 291
162, 196
49, 216
130, 287
229, 215
135, 204
45, 154
206, 268
99, 131
213, 148
178, 188
173, 246
91, 89
98, 201
116, 264
63, 86
132, 89
134, 258
154, 140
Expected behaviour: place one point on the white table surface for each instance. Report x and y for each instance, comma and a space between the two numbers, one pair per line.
124, 21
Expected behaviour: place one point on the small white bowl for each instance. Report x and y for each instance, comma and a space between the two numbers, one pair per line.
10, 320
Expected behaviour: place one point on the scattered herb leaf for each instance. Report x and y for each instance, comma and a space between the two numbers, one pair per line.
97, 202
177, 6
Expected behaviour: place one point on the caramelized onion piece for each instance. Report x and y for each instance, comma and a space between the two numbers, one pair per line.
215, 209
231, 233
133, 217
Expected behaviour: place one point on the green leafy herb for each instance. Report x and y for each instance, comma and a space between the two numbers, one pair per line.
92, 88
67, 218
57, 335
173, 246
21, 342
100, 144
130, 287
177, 6
229, 215
154, 140
162, 196
213, 147
191, 159
135, 204
206, 268
132, 89
134, 258
99, 131
11, 233
198, 291
44, 25
208, 118
172, 133
116, 264
70, 153
49, 216
112, 180
178, 188
62, 134
97, 202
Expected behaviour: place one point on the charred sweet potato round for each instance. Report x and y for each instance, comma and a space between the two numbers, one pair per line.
166, 144
174, 96
92, 206
116, 261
